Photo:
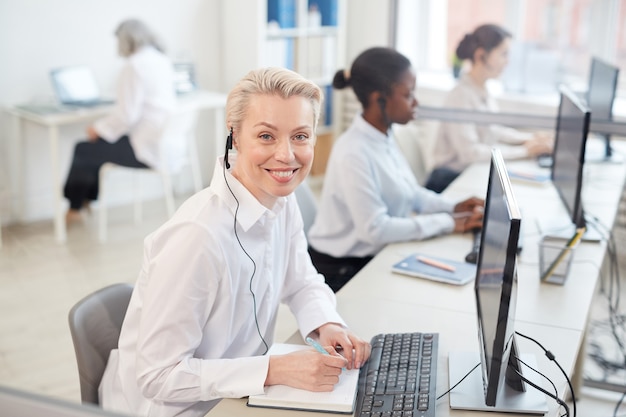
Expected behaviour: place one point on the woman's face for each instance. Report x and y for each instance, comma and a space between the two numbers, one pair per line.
496, 60
274, 146
401, 104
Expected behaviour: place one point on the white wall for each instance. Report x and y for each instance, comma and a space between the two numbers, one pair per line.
37, 35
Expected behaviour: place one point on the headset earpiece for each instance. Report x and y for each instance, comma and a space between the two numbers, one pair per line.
229, 146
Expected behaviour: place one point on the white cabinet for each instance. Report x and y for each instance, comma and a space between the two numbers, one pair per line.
307, 36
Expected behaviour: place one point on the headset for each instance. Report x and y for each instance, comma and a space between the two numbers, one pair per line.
382, 103
229, 146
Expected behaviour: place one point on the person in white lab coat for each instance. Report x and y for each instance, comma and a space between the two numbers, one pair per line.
458, 145
130, 134
204, 308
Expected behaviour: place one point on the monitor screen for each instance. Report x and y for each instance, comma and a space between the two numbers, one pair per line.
601, 95
500, 385
19, 403
601, 91
496, 279
74, 84
569, 153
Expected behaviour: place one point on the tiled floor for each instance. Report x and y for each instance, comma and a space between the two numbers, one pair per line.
40, 280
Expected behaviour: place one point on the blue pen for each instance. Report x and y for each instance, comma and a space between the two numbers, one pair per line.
317, 346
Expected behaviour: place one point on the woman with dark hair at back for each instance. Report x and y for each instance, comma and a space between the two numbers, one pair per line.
370, 196
458, 145
130, 134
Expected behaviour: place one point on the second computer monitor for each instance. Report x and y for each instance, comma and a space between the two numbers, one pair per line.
600, 97
569, 154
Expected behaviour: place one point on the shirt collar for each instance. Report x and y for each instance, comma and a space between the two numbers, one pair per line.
469, 83
370, 132
230, 190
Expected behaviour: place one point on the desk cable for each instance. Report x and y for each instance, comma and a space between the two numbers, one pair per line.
461, 380
612, 292
550, 356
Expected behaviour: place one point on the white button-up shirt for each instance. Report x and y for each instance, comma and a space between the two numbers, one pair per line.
144, 101
370, 197
459, 145
189, 336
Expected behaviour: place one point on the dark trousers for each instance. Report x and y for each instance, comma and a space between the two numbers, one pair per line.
337, 271
440, 178
82, 180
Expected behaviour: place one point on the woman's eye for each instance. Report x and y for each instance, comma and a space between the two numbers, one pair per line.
301, 137
266, 136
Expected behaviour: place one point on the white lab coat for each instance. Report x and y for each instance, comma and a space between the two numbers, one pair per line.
189, 336
145, 99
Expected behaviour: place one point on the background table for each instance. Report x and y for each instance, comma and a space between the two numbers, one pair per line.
54, 120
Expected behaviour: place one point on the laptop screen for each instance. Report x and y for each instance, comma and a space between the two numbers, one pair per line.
75, 84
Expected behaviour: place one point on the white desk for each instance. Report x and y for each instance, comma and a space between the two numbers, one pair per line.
54, 121
554, 315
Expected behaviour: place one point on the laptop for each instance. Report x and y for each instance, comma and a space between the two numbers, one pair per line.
184, 78
76, 86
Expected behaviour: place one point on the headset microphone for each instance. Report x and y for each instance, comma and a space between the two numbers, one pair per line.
229, 146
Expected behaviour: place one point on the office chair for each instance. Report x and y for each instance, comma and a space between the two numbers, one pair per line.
307, 204
95, 323
181, 126
416, 139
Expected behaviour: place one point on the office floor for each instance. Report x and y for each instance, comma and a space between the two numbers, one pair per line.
40, 280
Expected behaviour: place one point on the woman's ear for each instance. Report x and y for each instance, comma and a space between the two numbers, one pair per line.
480, 55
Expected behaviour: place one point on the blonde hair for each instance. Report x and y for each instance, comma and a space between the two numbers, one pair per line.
133, 34
270, 81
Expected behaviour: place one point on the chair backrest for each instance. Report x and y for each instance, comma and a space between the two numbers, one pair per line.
178, 139
307, 203
95, 323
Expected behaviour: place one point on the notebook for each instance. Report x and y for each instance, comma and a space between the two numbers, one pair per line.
341, 400
76, 86
430, 267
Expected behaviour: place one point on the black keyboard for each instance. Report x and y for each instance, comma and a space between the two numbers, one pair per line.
400, 378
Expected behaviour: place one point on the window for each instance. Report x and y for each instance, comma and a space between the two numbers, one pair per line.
553, 40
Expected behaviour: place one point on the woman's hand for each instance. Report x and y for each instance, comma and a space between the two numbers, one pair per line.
470, 205
92, 135
350, 346
306, 369
468, 215
541, 143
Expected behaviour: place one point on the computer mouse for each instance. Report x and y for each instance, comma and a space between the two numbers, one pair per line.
544, 160
472, 257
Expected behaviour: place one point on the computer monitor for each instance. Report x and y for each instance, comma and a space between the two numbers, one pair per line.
569, 153
19, 403
600, 97
498, 387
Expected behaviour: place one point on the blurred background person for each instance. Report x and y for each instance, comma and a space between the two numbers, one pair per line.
458, 145
130, 134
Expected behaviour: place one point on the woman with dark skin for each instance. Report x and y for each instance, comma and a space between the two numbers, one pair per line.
370, 196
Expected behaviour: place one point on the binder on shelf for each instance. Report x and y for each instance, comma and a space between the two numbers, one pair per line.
328, 105
328, 10
283, 12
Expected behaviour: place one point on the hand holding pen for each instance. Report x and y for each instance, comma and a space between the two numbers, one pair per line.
353, 348
306, 369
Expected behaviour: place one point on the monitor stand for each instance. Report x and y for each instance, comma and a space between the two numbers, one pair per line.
564, 228
598, 150
470, 395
